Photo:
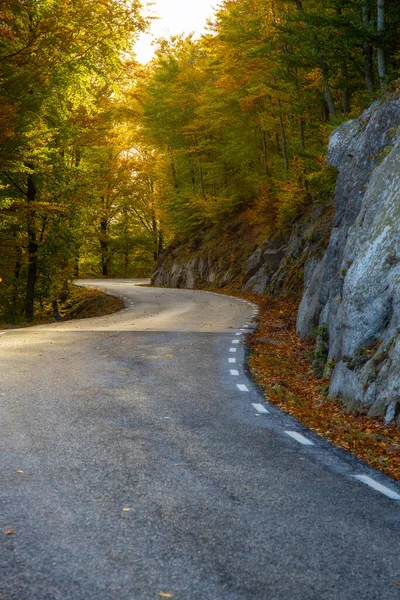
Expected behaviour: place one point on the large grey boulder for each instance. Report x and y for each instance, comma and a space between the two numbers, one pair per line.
355, 291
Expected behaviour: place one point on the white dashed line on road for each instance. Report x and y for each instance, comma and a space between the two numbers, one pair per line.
232, 360
234, 372
235, 341
261, 409
232, 349
299, 438
242, 388
378, 487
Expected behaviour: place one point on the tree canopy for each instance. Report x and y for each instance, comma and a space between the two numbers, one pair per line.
102, 159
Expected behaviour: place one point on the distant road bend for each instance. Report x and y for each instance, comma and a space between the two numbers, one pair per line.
139, 461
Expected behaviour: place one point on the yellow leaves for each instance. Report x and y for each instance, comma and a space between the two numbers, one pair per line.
9, 532
165, 595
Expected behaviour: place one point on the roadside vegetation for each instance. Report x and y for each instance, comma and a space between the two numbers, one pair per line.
104, 161
282, 365
77, 303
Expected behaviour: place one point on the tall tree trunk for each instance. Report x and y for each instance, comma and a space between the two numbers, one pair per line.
322, 67
381, 43
173, 170
368, 53
104, 247
160, 242
265, 154
17, 271
76, 265
32, 251
202, 189
284, 144
328, 94
324, 111
155, 237
302, 125
346, 100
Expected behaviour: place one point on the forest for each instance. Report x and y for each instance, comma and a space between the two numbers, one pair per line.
104, 161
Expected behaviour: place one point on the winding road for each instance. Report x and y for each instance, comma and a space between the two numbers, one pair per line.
139, 461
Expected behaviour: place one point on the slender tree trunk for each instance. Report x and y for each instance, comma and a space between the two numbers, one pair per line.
322, 68
155, 237
104, 247
302, 125
126, 262
76, 265
203, 193
328, 94
17, 271
160, 242
284, 144
173, 170
324, 111
381, 47
265, 153
368, 53
346, 100
32, 251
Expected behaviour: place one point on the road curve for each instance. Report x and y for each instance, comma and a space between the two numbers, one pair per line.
139, 461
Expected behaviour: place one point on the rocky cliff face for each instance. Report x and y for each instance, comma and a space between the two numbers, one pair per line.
353, 292
351, 269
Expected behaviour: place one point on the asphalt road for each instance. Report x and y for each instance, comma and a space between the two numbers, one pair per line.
135, 466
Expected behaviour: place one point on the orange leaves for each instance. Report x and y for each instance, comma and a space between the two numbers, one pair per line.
285, 373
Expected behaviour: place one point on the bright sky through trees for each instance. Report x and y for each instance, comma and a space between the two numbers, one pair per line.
175, 16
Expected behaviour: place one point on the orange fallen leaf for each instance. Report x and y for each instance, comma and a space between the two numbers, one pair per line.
9, 532
165, 595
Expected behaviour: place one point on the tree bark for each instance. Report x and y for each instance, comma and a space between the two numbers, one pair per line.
381, 47
322, 67
368, 53
76, 265
265, 154
32, 251
284, 144
173, 170
104, 247
346, 100
302, 133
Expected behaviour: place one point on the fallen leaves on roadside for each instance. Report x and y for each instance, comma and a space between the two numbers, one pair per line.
165, 595
10, 532
284, 371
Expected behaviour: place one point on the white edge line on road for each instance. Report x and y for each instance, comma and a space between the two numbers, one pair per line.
261, 409
299, 438
232, 360
377, 486
234, 372
232, 349
242, 388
